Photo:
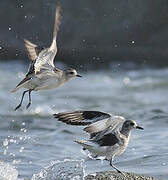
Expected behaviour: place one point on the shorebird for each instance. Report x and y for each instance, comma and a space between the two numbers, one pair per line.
109, 135
42, 74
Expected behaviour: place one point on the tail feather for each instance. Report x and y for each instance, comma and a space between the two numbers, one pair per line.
14, 90
21, 84
84, 144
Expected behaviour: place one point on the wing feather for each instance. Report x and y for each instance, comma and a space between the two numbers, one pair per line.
56, 28
45, 59
98, 126
110, 125
98, 123
81, 118
31, 49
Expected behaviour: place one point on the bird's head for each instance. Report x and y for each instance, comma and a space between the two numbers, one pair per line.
70, 73
130, 124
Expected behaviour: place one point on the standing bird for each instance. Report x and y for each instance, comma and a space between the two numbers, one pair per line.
42, 74
109, 135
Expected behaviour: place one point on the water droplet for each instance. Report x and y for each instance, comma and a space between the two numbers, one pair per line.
5, 152
164, 164
21, 149
5, 142
126, 80
23, 123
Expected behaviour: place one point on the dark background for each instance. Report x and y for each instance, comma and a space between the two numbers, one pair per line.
92, 32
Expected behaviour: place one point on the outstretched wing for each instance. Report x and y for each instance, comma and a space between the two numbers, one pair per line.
45, 59
98, 123
81, 118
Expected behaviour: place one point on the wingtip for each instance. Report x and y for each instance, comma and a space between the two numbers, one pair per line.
57, 21
25, 40
58, 8
55, 115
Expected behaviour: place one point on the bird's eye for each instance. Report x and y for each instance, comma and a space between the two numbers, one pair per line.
71, 73
132, 124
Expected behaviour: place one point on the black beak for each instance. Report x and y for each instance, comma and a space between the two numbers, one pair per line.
138, 127
78, 75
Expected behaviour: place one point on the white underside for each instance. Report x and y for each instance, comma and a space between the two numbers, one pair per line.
105, 151
43, 83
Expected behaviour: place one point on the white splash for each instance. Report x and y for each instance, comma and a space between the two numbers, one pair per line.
7, 172
5, 142
62, 170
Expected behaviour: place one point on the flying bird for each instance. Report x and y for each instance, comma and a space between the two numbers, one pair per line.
42, 74
109, 135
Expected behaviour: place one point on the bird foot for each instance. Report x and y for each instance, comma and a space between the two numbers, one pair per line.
28, 105
121, 173
18, 107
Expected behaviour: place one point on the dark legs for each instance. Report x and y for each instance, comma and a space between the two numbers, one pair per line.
23, 98
111, 164
29, 99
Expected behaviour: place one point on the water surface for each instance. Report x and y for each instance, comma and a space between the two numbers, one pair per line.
32, 140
